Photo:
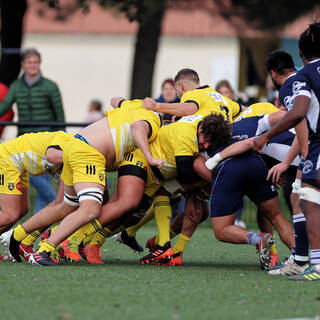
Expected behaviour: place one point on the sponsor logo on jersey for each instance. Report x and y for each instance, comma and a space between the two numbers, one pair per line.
191, 119
297, 85
10, 186
307, 166
240, 137
288, 102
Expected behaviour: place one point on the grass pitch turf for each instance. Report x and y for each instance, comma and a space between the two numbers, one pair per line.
216, 281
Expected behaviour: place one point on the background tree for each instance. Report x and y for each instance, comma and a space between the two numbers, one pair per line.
264, 15
148, 14
12, 13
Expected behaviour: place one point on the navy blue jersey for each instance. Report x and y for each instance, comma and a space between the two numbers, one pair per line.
286, 94
277, 147
307, 83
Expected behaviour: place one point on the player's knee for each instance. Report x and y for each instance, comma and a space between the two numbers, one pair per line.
10, 218
219, 235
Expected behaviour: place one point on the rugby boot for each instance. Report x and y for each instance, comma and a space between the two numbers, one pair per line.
159, 253
92, 254
263, 249
26, 251
43, 258
174, 260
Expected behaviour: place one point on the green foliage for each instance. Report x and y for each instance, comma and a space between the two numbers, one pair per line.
266, 14
135, 10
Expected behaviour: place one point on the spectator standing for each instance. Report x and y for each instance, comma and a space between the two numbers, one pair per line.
37, 99
94, 112
8, 116
168, 95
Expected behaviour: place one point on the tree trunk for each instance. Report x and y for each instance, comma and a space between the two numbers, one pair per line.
145, 53
12, 13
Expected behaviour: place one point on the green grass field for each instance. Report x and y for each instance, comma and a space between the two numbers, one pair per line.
216, 281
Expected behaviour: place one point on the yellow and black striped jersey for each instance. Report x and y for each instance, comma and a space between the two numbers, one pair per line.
209, 100
176, 139
27, 152
257, 109
120, 120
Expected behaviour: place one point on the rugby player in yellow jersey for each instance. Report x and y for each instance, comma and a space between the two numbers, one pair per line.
257, 109
195, 99
177, 144
85, 158
18, 158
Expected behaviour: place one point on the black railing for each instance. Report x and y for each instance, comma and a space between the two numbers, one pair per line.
43, 124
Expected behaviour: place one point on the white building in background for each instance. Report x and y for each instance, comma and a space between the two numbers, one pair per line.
90, 56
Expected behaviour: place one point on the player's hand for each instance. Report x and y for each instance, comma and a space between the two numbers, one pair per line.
159, 163
276, 171
150, 104
259, 142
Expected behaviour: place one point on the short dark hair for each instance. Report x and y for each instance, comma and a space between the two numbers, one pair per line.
309, 41
96, 104
187, 74
280, 61
30, 52
217, 130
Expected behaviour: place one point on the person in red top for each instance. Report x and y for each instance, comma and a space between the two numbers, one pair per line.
8, 116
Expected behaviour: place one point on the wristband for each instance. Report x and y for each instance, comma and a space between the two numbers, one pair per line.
214, 161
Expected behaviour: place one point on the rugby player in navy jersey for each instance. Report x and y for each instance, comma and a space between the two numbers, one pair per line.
281, 68
246, 174
306, 87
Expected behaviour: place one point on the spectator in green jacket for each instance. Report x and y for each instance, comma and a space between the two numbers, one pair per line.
37, 99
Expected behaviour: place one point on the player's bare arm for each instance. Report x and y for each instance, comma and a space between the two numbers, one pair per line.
140, 132
231, 151
176, 109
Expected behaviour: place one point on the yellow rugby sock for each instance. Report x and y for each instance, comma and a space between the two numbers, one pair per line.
131, 231
181, 243
162, 213
85, 231
88, 239
31, 238
101, 236
172, 235
273, 249
46, 246
19, 233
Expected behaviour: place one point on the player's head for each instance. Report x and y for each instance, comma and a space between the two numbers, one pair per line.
309, 43
186, 80
279, 63
214, 132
